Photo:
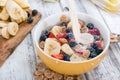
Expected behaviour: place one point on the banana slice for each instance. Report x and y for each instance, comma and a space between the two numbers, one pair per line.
52, 46
58, 30
66, 49
23, 3
16, 13
13, 28
5, 33
86, 38
4, 15
3, 24
3, 2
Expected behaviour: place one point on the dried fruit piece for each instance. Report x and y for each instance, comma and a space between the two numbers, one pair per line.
42, 44
63, 40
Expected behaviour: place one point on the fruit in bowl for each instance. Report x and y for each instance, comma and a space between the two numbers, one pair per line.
58, 49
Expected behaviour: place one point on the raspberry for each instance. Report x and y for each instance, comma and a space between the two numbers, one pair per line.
61, 36
51, 35
99, 43
94, 31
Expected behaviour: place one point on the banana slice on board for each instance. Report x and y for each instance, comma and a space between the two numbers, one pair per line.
3, 2
23, 3
15, 11
5, 33
3, 24
66, 49
52, 46
86, 38
13, 28
4, 14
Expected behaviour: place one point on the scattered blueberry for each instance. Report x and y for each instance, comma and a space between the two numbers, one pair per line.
66, 57
43, 37
69, 36
96, 37
99, 50
47, 33
90, 26
28, 13
72, 43
63, 24
92, 55
30, 20
91, 49
68, 30
95, 45
34, 12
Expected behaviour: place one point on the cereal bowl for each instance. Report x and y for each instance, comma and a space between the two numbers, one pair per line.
65, 67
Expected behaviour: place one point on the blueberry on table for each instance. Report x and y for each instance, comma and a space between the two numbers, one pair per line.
91, 49
47, 33
96, 37
66, 57
90, 26
43, 37
34, 12
99, 50
28, 13
30, 20
69, 36
95, 45
72, 43
63, 24
68, 30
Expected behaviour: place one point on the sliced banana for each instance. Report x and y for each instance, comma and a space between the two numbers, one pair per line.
66, 49
86, 38
5, 33
52, 46
4, 14
3, 2
13, 28
16, 13
23, 3
3, 24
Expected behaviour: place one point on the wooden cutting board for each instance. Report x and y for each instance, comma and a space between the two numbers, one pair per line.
8, 46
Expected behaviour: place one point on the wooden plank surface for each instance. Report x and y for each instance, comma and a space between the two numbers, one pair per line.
21, 64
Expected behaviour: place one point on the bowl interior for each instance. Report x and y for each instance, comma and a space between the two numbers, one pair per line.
54, 19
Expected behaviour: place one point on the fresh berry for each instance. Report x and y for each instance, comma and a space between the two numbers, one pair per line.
93, 54
68, 30
28, 13
43, 37
63, 24
30, 20
66, 57
69, 36
61, 36
72, 43
99, 43
34, 12
51, 35
90, 26
99, 50
57, 56
91, 49
94, 31
95, 45
96, 37
47, 33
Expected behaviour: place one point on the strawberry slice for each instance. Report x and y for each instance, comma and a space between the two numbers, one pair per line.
99, 43
51, 35
57, 56
61, 35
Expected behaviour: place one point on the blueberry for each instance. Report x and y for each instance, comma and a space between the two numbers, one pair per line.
95, 45
66, 57
93, 54
43, 37
99, 50
30, 20
96, 37
28, 13
63, 24
90, 26
47, 33
69, 36
91, 49
34, 12
72, 44
68, 30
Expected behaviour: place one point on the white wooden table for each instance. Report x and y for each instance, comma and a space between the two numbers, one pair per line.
21, 64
